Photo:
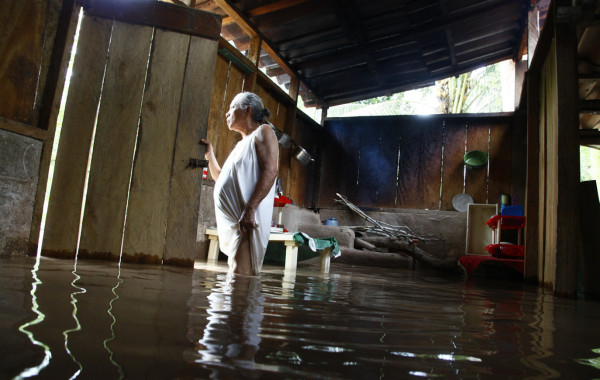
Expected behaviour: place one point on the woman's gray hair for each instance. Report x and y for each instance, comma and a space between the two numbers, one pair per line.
250, 99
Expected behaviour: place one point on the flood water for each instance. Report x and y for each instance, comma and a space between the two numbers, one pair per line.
90, 319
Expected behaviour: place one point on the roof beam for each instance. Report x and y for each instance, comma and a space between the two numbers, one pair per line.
449, 37
273, 7
243, 22
346, 13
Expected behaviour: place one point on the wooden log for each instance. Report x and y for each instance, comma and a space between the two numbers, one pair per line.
360, 243
117, 125
399, 245
149, 195
184, 200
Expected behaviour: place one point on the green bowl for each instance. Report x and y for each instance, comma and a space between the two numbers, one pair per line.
475, 159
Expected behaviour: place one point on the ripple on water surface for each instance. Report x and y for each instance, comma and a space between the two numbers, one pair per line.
65, 319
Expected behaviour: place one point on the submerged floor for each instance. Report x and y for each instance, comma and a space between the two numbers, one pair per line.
88, 319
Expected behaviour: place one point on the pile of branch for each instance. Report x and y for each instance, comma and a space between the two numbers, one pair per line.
396, 239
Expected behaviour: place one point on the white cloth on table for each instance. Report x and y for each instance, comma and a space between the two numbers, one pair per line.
233, 189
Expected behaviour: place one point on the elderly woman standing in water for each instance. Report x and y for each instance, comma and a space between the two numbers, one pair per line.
245, 185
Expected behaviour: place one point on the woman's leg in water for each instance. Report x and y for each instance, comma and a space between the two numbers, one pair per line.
243, 262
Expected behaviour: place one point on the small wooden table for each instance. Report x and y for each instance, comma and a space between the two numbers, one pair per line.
291, 249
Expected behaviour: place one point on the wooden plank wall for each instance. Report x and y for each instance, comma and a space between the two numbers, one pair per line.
22, 28
414, 162
136, 109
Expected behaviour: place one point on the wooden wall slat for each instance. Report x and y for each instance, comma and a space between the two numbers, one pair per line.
115, 139
387, 166
228, 139
22, 28
64, 208
369, 157
301, 183
54, 81
409, 141
542, 179
149, 195
184, 202
551, 169
217, 106
453, 170
334, 157
476, 179
430, 165
499, 181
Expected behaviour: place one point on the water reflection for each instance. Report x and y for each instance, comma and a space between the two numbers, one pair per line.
141, 321
24, 328
594, 362
79, 290
235, 312
112, 324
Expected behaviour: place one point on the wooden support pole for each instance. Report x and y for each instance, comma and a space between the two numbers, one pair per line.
532, 185
567, 207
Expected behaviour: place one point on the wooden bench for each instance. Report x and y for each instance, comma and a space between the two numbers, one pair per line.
287, 238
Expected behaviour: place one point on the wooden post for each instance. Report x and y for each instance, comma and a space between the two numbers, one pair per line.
532, 185
567, 115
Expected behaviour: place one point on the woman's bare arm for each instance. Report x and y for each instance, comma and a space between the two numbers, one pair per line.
209, 155
266, 150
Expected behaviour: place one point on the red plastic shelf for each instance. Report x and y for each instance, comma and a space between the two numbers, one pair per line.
507, 222
506, 250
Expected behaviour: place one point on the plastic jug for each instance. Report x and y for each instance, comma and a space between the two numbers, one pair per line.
332, 222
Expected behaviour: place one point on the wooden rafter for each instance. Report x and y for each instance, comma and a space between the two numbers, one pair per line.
449, 36
243, 22
346, 14
277, 6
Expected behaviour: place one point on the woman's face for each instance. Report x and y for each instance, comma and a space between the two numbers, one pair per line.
236, 116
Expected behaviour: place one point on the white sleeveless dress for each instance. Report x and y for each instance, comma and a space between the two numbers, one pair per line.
234, 187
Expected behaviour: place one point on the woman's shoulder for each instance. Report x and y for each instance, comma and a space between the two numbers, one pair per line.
264, 131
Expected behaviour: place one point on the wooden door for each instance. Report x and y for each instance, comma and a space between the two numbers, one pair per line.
136, 109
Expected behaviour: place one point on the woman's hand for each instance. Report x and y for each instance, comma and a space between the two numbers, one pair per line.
248, 220
209, 148
209, 154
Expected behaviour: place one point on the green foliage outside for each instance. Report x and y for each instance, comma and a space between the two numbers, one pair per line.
590, 164
479, 91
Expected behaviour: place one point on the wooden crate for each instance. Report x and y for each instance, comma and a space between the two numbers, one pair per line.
478, 234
